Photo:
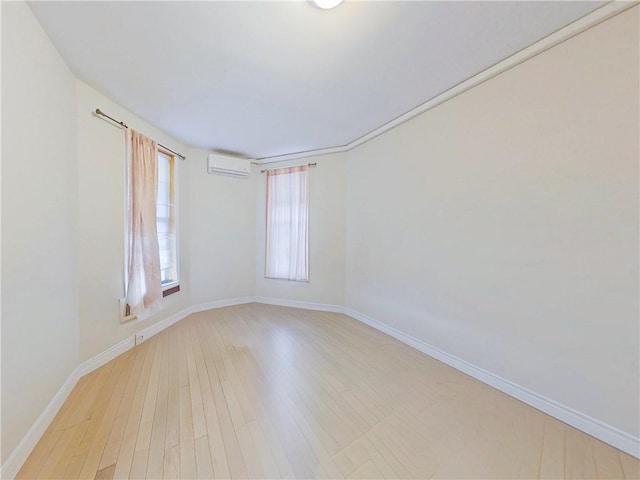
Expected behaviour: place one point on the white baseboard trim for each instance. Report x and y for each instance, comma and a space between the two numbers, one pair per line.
14, 463
157, 327
281, 302
592, 426
109, 354
201, 307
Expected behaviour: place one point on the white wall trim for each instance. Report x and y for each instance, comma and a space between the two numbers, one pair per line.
309, 153
109, 354
201, 307
161, 325
19, 455
322, 307
592, 19
592, 426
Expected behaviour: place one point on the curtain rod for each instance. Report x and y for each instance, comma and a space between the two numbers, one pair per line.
290, 166
124, 125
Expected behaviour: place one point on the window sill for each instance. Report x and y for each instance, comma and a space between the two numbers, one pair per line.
287, 281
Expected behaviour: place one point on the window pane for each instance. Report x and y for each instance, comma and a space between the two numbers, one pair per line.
166, 221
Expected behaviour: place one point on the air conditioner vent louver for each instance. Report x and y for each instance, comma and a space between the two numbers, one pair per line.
218, 164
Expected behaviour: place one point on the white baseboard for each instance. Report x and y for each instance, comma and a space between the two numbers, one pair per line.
201, 307
109, 354
322, 307
592, 426
14, 463
157, 327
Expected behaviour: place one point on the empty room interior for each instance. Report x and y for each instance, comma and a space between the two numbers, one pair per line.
320, 239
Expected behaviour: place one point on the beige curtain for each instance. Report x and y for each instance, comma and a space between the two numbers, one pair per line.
287, 245
144, 291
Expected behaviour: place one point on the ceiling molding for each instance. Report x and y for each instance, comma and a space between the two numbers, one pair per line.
590, 20
309, 153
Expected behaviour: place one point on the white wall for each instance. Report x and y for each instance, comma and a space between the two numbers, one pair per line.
222, 233
502, 226
101, 200
39, 224
327, 190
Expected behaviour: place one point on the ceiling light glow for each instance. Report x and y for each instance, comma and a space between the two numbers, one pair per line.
326, 4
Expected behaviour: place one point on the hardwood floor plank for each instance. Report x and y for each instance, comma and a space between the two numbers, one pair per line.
112, 448
579, 455
552, 457
172, 463
187, 443
96, 442
378, 460
203, 458
38, 457
58, 453
267, 460
366, 471
130, 435
155, 462
218, 456
608, 465
630, 466
172, 435
143, 439
399, 468
197, 411
105, 473
216, 373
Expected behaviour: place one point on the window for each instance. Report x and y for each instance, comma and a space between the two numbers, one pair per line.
287, 235
166, 220
151, 259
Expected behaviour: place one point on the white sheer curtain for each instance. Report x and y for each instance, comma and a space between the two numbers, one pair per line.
287, 244
144, 291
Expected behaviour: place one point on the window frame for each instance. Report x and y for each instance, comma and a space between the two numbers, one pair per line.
174, 286
277, 172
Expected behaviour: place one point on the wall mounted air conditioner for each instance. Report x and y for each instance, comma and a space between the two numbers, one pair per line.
219, 164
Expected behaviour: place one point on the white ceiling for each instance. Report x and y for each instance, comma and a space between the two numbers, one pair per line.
265, 78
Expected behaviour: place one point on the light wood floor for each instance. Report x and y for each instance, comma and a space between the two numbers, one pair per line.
256, 391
